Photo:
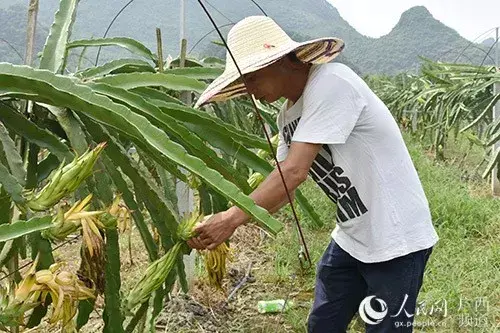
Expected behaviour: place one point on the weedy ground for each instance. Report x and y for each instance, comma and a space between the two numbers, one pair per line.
461, 285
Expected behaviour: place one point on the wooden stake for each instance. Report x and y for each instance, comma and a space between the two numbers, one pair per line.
159, 47
495, 182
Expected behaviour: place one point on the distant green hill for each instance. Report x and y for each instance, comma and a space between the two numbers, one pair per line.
417, 32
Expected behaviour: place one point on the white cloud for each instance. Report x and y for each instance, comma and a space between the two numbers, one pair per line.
375, 18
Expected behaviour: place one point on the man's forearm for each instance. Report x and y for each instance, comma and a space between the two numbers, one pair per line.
282, 204
270, 195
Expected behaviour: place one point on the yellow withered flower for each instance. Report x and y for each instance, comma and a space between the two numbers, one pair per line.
12, 312
64, 288
75, 218
215, 260
215, 263
66, 223
121, 213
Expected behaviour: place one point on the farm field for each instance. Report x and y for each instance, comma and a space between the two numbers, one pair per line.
106, 170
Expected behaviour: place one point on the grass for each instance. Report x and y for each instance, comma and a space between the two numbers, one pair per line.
463, 269
462, 275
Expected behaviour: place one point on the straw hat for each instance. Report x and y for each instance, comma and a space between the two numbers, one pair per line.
256, 42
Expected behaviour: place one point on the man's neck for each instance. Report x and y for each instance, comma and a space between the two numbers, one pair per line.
298, 81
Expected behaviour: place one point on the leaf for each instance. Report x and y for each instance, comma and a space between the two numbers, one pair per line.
12, 155
64, 91
159, 221
169, 81
181, 273
167, 221
150, 93
130, 44
113, 66
157, 306
493, 139
42, 248
11, 185
32, 167
168, 183
46, 166
30, 131
128, 198
189, 62
199, 73
193, 116
137, 317
257, 164
104, 184
233, 149
486, 110
213, 61
7, 252
21, 228
71, 127
112, 316
494, 162
308, 210
85, 308
170, 167
54, 51
182, 135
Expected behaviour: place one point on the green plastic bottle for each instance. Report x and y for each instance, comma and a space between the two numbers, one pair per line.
273, 306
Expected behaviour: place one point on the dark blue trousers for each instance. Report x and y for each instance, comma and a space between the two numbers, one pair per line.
343, 283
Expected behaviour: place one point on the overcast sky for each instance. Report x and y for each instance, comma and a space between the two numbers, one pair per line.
375, 18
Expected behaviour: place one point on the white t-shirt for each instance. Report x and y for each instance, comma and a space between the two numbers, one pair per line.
364, 166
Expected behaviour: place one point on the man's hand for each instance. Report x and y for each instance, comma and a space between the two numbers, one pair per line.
213, 231
270, 195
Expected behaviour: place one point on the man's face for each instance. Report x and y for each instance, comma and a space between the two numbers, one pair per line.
266, 83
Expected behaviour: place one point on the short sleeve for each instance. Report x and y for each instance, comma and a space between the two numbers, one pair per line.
282, 150
331, 108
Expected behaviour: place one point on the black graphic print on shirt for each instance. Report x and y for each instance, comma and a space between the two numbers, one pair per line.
331, 179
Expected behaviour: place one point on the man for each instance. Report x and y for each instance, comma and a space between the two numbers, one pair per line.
337, 130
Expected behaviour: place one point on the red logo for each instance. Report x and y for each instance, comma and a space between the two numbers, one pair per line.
268, 46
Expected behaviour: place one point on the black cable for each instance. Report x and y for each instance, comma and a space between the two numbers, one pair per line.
218, 11
29, 263
482, 62
472, 42
109, 27
455, 51
222, 26
259, 117
262, 10
207, 34
13, 48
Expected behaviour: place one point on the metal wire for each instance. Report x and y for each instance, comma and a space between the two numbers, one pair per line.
472, 42
262, 10
218, 11
259, 117
207, 34
13, 48
109, 27
29, 263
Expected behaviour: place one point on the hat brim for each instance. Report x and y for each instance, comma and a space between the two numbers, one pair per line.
229, 84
